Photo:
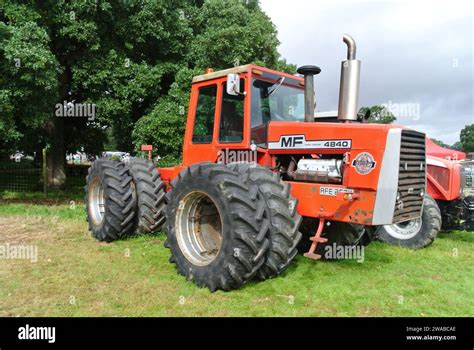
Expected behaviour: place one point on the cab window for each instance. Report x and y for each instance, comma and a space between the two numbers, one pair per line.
204, 119
231, 128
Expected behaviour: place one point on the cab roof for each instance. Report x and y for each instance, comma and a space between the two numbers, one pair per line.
238, 70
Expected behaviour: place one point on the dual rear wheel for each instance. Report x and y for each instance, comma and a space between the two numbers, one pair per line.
228, 224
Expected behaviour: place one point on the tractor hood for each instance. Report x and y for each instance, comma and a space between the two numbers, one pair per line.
386, 160
291, 137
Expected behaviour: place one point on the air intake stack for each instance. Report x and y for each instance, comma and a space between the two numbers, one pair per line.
309, 72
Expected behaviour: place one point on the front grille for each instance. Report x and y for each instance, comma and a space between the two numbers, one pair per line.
468, 210
411, 177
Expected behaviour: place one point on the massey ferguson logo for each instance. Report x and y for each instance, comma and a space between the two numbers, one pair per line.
300, 142
291, 141
364, 163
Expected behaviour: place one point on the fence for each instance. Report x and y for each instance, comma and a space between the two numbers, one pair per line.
25, 174
19, 173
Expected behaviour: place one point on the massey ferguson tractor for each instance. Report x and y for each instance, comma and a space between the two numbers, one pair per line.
259, 175
451, 202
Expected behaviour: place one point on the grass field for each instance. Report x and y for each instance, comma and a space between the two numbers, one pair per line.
77, 276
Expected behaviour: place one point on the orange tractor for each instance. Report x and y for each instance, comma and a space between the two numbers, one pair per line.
260, 179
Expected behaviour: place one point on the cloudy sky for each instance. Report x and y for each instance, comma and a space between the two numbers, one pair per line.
416, 56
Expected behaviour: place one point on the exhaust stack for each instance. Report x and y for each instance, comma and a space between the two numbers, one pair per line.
309, 72
349, 85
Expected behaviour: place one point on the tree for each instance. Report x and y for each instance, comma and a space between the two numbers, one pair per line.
456, 146
379, 114
467, 138
28, 76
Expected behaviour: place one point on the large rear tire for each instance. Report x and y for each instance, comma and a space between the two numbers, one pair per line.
110, 200
284, 220
216, 227
414, 234
150, 191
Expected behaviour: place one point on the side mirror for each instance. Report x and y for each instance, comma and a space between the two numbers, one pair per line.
233, 84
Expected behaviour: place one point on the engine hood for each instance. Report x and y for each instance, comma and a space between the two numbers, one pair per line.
303, 137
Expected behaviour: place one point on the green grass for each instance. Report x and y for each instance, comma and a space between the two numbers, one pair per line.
77, 276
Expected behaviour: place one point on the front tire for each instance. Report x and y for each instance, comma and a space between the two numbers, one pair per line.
284, 220
414, 234
216, 228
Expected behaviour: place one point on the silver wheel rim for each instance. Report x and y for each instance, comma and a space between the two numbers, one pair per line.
96, 201
198, 228
404, 230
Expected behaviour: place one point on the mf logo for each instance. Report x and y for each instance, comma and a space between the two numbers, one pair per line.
291, 141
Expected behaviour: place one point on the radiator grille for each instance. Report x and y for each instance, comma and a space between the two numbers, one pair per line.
412, 176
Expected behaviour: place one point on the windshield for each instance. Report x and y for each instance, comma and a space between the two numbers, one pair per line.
276, 101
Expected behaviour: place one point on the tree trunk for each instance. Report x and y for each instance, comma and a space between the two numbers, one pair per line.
56, 154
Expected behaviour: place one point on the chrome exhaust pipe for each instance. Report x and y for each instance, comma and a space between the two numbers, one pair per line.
309, 105
349, 84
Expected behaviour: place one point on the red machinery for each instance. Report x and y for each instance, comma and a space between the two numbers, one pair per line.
451, 199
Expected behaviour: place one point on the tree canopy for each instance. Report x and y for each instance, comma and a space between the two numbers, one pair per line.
467, 138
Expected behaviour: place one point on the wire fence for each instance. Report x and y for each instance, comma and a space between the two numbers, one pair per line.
25, 174
19, 174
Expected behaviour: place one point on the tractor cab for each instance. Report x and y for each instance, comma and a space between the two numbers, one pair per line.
232, 108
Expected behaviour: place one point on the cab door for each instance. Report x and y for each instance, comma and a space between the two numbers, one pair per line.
198, 142
216, 121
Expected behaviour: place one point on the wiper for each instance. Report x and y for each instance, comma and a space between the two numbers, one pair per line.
280, 81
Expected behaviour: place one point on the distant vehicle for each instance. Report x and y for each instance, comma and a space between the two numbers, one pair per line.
78, 158
123, 156
450, 189
17, 156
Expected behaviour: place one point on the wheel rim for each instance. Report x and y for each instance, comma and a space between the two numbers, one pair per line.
404, 230
96, 201
198, 228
